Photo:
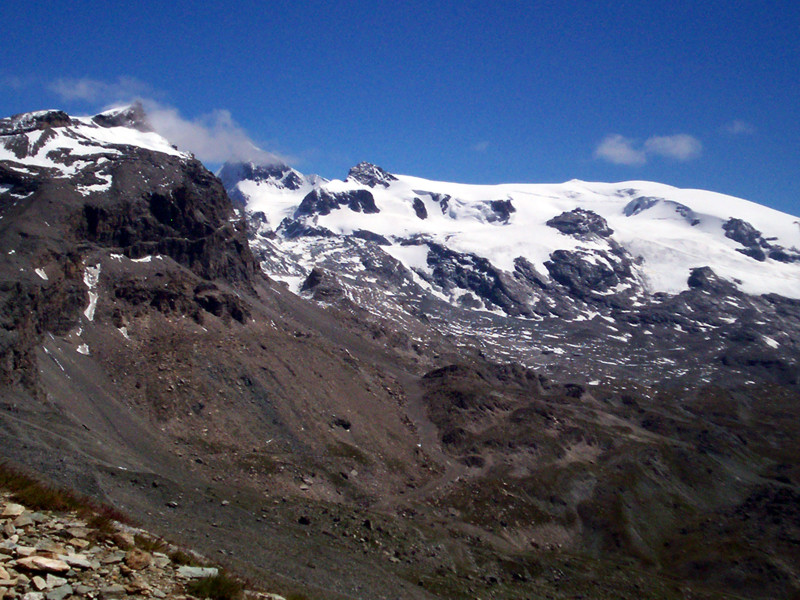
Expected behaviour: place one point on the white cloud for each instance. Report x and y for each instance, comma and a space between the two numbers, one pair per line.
680, 147
212, 138
738, 127
620, 151
123, 89
215, 137
481, 146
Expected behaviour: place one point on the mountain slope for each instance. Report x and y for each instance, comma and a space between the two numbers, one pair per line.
595, 277
350, 438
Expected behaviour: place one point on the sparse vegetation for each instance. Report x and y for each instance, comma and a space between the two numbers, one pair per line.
150, 544
217, 587
180, 557
38, 496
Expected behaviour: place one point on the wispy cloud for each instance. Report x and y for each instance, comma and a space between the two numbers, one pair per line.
482, 146
681, 147
95, 91
215, 137
621, 150
738, 127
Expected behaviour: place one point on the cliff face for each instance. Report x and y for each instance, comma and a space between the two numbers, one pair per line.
69, 199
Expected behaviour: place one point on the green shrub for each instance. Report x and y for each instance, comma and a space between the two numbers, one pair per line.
218, 587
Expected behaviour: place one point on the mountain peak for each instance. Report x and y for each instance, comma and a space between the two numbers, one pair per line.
32, 121
370, 175
278, 173
132, 116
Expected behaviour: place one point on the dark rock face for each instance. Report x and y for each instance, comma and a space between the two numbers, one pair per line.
755, 246
188, 220
370, 175
280, 175
320, 202
502, 209
291, 229
156, 204
322, 285
468, 271
42, 120
419, 208
704, 278
525, 271
584, 273
371, 236
134, 117
581, 223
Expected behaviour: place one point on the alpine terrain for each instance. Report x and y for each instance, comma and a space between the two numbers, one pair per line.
391, 387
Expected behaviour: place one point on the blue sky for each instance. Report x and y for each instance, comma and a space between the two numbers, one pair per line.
694, 94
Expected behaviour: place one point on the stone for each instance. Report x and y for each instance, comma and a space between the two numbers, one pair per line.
40, 563
77, 561
4, 574
78, 532
54, 582
59, 593
124, 540
51, 547
7, 547
83, 589
24, 551
12, 510
197, 572
9, 529
160, 560
138, 559
114, 590
78, 543
39, 583
113, 558
33, 596
23, 521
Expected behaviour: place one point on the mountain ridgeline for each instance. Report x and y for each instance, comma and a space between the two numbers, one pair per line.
391, 387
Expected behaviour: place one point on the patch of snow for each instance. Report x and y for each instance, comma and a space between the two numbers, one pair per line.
91, 277
83, 349
41, 273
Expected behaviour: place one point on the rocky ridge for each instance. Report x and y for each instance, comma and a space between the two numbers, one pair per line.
46, 555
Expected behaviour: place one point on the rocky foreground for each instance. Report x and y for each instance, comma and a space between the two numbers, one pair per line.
56, 556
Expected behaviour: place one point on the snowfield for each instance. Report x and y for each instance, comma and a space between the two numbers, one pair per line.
669, 231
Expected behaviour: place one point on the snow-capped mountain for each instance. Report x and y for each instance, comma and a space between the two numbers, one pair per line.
592, 275
374, 433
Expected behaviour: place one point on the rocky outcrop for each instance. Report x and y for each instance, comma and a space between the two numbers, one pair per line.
279, 175
755, 245
581, 224
321, 202
125, 201
370, 175
46, 555
476, 274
